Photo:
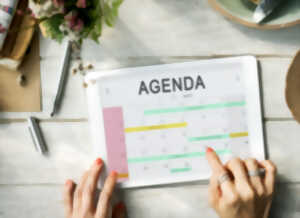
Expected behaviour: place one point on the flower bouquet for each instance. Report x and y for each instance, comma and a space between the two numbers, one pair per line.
74, 19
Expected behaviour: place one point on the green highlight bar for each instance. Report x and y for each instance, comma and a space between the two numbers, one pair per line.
221, 136
211, 137
196, 107
173, 156
179, 170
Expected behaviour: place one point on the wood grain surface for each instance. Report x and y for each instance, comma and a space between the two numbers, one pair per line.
147, 32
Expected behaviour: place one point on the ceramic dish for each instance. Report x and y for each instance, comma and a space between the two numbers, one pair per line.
241, 11
292, 91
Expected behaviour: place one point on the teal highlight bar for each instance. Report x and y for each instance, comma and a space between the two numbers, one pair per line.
196, 107
179, 170
210, 137
173, 156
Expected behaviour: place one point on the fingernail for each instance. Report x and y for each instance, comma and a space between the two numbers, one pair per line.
209, 149
99, 161
114, 173
68, 182
120, 206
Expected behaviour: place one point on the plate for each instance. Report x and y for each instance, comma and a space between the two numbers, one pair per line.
241, 11
292, 91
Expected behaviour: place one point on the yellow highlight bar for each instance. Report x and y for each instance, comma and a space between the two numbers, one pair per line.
155, 127
238, 134
123, 175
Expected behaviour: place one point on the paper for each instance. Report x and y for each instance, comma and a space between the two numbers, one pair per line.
156, 122
15, 98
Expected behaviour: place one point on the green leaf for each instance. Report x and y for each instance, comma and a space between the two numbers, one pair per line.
96, 31
52, 27
110, 11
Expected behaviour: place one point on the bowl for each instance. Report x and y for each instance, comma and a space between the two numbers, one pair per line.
292, 90
241, 11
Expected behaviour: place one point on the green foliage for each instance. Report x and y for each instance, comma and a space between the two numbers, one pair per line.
110, 11
94, 16
52, 27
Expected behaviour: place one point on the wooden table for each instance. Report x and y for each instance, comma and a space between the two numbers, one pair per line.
148, 32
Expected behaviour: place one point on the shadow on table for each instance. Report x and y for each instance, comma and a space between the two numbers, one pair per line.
286, 201
195, 12
287, 36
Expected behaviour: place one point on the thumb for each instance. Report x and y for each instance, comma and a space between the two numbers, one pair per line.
119, 210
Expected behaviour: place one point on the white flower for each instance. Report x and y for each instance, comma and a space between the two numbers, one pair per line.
44, 9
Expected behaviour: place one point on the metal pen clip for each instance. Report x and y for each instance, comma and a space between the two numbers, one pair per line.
36, 135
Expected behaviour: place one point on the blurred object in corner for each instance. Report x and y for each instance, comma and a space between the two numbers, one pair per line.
241, 11
264, 9
17, 98
18, 36
7, 9
20, 89
292, 91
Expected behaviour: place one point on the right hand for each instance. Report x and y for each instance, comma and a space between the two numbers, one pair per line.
241, 196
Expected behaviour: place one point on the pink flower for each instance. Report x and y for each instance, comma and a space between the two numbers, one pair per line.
2, 29
73, 21
58, 3
19, 12
81, 4
78, 25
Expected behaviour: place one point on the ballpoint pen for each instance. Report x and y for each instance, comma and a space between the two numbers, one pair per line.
63, 79
264, 9
37, 136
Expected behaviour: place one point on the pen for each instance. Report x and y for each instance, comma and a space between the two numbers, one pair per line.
264, 9
36, 135
63, 79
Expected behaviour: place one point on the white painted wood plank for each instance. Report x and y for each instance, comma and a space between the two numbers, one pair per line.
46, 201
179, 28
71, 152
189, 201
273, 77
283, 146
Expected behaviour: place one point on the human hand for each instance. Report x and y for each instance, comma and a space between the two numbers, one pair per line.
80, 200
239, 195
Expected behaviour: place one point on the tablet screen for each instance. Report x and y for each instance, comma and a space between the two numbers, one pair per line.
152, 124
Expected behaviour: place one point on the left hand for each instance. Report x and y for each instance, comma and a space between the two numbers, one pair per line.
80, 200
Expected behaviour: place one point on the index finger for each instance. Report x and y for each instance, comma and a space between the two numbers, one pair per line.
214, 161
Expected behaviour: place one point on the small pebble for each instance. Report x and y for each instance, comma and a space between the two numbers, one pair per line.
80, 67
74, 71
21, 79
85, 85
90, 66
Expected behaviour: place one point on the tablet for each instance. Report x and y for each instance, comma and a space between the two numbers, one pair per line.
153, 124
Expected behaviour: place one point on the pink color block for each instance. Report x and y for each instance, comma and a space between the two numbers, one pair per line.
115, 140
